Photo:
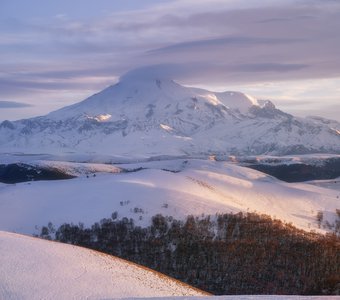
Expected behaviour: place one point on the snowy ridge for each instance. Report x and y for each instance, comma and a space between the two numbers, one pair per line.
175, 188
78, 169
153, 115
38, 269
32, 268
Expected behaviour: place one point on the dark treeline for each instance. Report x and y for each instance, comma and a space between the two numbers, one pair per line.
222, 254
20, 172
329, 169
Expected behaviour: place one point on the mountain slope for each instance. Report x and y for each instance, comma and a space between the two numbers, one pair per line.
152, 115
32, 268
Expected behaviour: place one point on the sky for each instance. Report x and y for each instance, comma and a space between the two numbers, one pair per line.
56, 53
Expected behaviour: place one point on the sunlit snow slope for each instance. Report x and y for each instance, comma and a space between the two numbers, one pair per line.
32, 268
173, 187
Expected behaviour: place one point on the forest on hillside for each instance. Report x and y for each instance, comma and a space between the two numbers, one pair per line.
242, 253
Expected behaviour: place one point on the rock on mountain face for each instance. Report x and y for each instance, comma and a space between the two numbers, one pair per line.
153, 115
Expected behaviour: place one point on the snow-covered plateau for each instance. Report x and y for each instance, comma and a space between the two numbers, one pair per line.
177, 188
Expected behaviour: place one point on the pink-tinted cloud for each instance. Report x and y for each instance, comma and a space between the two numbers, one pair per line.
198, 42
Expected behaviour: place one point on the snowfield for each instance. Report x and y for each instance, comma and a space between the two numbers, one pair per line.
175, 188
32, 268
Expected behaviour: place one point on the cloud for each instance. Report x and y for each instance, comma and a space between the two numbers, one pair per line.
12, 104
326, 111
199, 42
269, 67
228, 33
286, 19
234, 41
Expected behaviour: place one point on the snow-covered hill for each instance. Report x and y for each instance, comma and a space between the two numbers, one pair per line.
171, 187
149, 114
32, 268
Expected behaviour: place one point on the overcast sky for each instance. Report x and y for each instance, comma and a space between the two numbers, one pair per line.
55, 53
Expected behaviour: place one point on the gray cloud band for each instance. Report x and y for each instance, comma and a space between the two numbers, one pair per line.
221, 46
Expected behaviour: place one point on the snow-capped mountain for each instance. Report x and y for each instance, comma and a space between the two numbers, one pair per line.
150, 114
